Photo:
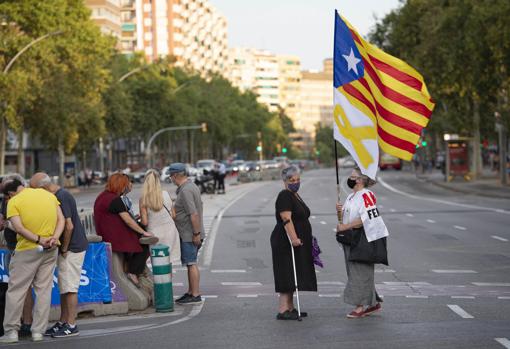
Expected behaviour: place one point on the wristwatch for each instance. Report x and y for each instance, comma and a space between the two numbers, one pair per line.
196, 234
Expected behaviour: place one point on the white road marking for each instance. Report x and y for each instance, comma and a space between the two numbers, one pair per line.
497, 284
385, 271
210, 296
393, 210
335, 295
179, 284
459, 227
211, 238
241, 283
404, 283
312, 217
460, 312
324, 223
503, 341
409, 215
247, 295
499, 238
419, 297
421, 198
503, 297
334, 229
431, 221
463, 297
454, 271
339, 283
228, 271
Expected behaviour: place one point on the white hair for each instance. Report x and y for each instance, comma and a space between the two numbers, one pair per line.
289, 172
43, 182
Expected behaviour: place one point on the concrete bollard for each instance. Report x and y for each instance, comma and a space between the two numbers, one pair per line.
162, 272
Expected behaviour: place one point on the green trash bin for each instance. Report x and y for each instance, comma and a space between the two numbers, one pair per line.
162, 273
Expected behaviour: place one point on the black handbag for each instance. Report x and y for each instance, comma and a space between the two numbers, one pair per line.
374, 252
348, 237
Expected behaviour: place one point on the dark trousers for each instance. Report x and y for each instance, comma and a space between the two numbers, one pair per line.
221, 182
137, 261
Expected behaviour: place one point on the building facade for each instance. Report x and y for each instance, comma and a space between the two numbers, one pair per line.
107, 15
193, 32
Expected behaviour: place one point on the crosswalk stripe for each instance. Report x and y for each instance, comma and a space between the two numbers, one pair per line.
503, 341
460, 312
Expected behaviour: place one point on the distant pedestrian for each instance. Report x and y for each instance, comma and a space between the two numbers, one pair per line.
215, 171
116, 225
292, 221
189, 220
155, 211
360, 289
222, 173
37, 218
73, 246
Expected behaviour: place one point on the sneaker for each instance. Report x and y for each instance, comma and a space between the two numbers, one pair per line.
37, 337
190, 300
373, 309
25, 330
355, 315
10, 337
66, 331
53, 329
181, 298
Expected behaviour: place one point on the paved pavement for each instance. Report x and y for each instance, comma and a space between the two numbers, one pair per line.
447, 286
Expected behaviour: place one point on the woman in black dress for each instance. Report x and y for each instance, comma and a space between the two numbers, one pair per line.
292, 222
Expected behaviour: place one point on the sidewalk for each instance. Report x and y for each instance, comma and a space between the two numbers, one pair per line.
488, 185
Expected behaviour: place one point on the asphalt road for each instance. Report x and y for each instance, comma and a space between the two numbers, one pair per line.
447, 286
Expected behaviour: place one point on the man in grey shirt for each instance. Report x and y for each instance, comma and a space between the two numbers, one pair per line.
188, 216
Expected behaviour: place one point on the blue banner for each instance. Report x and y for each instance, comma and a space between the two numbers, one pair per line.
95, 276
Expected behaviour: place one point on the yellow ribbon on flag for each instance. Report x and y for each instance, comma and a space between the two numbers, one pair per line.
356, 135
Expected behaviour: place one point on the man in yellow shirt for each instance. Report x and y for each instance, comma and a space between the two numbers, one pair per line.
38, 220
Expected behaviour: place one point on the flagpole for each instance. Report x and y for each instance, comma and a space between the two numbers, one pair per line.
339, 214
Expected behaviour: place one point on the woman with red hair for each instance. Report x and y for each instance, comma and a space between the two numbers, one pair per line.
116, 225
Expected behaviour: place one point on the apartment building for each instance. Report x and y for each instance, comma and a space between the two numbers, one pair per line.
317, 97
107, 15
191, 31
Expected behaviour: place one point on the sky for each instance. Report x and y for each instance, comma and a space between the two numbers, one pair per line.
297, 27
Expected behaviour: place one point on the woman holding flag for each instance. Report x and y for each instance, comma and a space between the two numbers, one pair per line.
360, 289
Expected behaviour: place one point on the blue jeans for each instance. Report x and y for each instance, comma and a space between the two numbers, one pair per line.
189, 253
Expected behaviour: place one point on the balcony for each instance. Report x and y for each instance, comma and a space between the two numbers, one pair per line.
128, 27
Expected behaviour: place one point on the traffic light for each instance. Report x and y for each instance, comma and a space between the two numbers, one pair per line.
284, 150
424, 143
204, 127
259, 148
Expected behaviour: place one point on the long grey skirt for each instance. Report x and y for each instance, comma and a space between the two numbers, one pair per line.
360, 288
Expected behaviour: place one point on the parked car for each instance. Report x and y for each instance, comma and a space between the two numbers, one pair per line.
137, 176
389, 161
205, 165
346, 162
250, 166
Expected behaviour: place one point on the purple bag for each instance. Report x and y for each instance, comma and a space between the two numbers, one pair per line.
316, 251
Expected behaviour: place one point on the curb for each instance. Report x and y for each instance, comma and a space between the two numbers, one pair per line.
465, 191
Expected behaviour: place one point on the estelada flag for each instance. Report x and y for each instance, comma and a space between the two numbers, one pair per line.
379, 100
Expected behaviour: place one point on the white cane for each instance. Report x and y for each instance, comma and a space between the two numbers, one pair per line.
295, 278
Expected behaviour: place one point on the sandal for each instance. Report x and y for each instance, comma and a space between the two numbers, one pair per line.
134, 279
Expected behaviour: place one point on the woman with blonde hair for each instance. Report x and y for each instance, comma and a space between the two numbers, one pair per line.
155, 212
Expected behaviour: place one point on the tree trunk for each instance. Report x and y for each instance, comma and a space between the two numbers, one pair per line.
21, 154
61, 159
3, 139
477, 154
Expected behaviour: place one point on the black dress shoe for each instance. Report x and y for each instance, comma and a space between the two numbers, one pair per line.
287, 315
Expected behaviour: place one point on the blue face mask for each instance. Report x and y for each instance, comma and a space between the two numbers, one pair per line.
294, 187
